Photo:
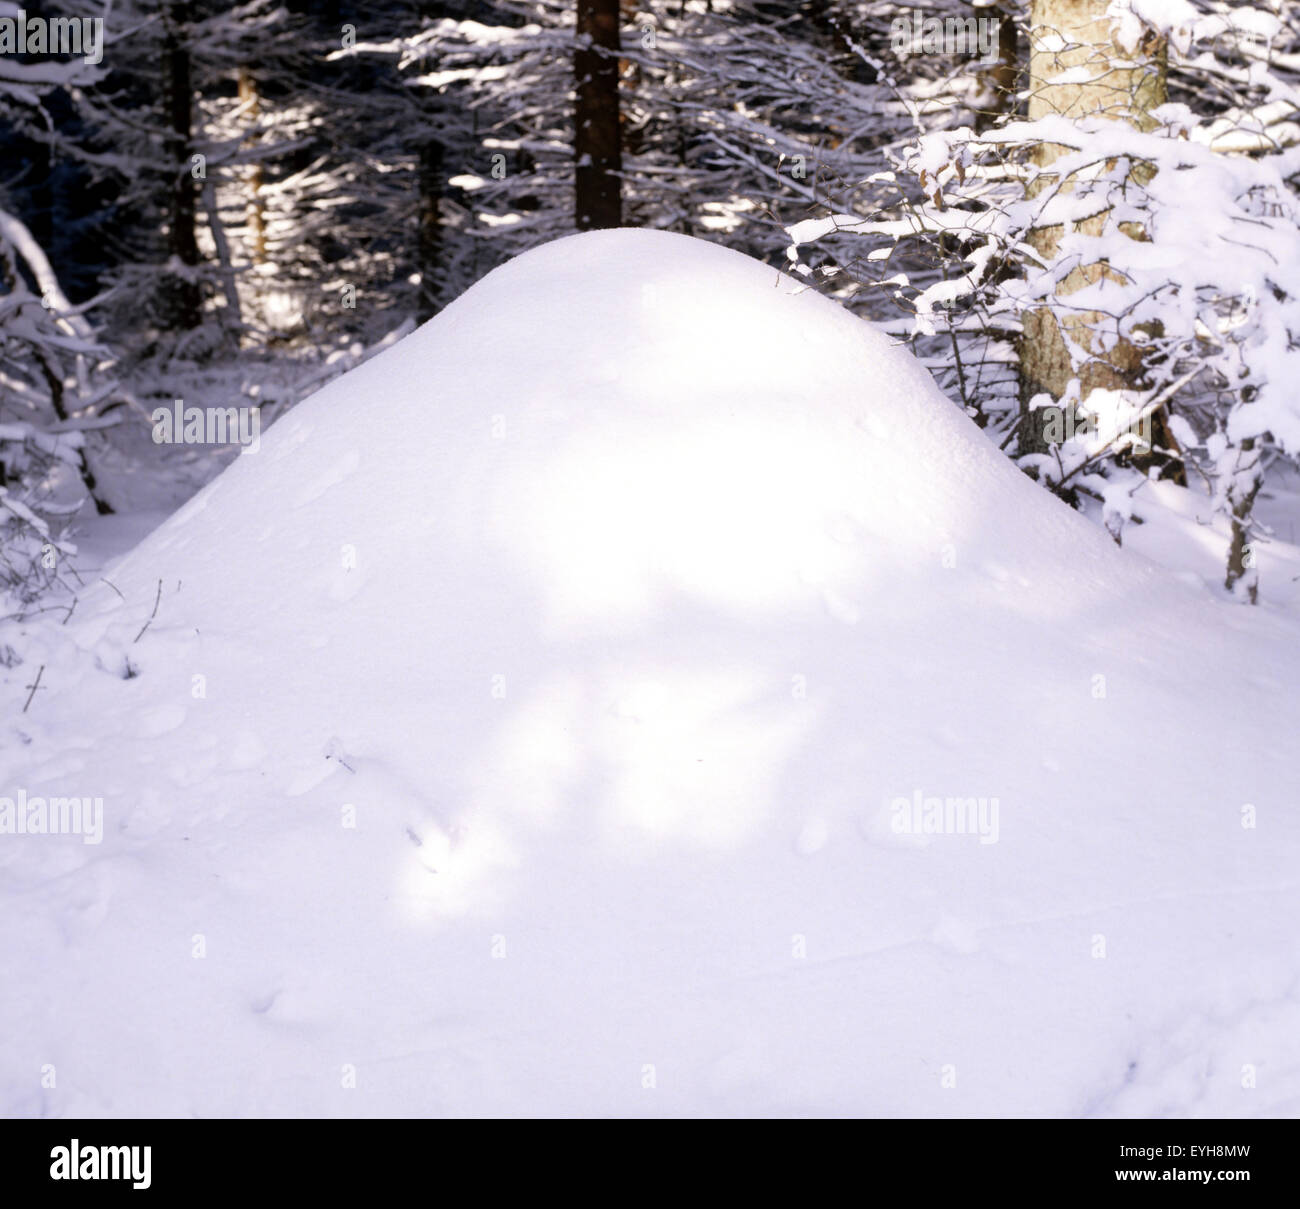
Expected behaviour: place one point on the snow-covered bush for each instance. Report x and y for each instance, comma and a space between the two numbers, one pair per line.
1167, 277
54, 371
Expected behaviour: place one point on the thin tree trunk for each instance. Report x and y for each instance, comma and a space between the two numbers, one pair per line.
183, 208
233, 317
597, 140
251, 105
431, 181
1245, 486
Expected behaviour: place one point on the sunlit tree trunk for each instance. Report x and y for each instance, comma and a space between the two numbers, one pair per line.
1075, 37
251, 106
1246, 480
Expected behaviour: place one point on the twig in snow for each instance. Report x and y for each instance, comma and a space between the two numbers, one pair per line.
35, 684
147, 624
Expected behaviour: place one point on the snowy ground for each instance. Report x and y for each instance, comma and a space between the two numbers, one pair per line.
521, 730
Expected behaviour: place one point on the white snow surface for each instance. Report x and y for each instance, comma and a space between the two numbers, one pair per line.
613, 608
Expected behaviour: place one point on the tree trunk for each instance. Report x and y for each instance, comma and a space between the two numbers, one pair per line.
1000, 79
1075, 36
431, 180
1246, 481
251, 104
183, 209
597, 143
232, 317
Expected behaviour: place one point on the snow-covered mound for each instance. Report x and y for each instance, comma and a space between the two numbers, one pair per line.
526, 726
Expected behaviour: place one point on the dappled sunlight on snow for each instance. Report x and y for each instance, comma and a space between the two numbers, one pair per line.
675, 751
743, 515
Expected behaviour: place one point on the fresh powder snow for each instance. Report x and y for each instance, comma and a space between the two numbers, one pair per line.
641, 692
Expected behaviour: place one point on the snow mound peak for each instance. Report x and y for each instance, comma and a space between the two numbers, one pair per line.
612, 420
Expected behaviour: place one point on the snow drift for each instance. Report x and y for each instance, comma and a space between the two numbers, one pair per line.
529, 726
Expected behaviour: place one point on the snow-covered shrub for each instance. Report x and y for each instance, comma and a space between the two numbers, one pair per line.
47, 355
1173, 271
55, 374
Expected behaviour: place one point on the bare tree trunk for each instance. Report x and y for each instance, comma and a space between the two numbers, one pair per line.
1245, 485
183, 209
232, 317
430, 181
1000, 79
597, 139
1075, 36
251, 104
830, 24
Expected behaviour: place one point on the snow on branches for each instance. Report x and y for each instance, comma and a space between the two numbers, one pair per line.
1139, 257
